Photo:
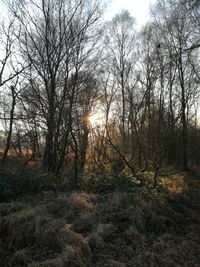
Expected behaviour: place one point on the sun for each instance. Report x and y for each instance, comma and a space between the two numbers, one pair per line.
95, 119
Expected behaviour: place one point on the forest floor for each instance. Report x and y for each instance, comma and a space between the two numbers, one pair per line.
118, 229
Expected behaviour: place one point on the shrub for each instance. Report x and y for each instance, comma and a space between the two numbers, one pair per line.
106, 183
14, 183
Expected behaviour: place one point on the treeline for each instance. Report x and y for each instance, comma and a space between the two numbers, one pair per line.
61, 65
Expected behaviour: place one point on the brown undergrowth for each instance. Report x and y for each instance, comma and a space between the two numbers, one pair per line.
118, 229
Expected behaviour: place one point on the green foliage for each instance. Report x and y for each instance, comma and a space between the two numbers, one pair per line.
70, 183
19, 182
106, 183
14, 183
118, 165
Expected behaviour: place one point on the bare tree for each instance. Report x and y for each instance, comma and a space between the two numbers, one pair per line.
56, 42
178, 35
120, 40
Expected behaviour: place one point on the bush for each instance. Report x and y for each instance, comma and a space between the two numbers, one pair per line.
106, 183
14, 183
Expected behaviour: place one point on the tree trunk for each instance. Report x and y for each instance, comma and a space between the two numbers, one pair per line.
8, 140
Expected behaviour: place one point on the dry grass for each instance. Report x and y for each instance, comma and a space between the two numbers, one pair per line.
114, 230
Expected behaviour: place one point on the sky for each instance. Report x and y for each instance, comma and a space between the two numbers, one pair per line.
137, 8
